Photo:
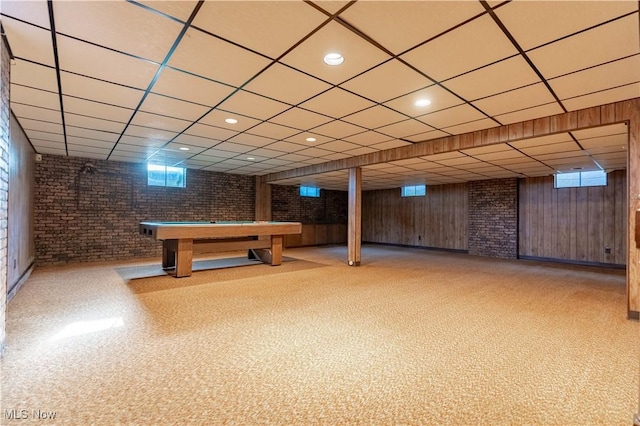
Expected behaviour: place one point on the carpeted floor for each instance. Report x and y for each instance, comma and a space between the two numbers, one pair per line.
411, 337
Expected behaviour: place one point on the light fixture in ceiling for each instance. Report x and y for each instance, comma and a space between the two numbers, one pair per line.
311, 139
250, 158
230, 120
183, 148
422, 102
333, 59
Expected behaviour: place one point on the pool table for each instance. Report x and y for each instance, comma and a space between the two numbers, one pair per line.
180, 240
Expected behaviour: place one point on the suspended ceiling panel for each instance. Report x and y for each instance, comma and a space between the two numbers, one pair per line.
135, 81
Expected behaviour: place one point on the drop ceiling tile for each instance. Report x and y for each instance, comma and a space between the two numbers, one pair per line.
451, 116
286, 84
273, 131
618, 140
34, 75
339, 146
175, 147
359, 55
618, 73
295, 157
28, 42
300, 118
251, 140
96, 109
315, 152
336, 103
237, 68
36, 12
599, 45
115, 25
285, 23
38, 137
91, 134
180, 10
596, 132
123, 148
336, 156
59, 150
40, 126
542, 140
400, 28
97, 62
169, 107
250, 105
37, 113
338, 129
604, 97
89, 143
560, 147
285, 146
210, 132
159, 122
473, 45
375, 84
217, 153
35, 97
405, 128
440, 99
150, 133
515, 100
368, 138
93, 123
98, 154
505, 75
498, 157
374, 117
100, 91
460, 162
530, 113
192, 88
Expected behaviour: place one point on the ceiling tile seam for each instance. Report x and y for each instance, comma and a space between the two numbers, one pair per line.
24, 22
524, 55
376, 44
622, 58
174, 46
157, 12
56, 59
602, 90
525, 109
584, 30
274, 61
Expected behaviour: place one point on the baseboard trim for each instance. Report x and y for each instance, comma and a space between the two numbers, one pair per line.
23, 278
418, 247
574, 262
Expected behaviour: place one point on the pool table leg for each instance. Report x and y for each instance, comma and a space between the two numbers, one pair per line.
178, 254
276, 249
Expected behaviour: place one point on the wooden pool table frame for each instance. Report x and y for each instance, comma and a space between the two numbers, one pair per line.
180, 240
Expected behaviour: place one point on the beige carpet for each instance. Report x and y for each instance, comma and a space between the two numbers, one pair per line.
412, 337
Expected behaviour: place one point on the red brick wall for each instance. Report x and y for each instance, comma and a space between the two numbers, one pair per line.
288, 205
493, 218
89, 217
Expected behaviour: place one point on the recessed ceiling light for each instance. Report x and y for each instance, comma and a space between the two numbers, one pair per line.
183, 148
333, 59
311, 139
250, 158
422, 102
231, 120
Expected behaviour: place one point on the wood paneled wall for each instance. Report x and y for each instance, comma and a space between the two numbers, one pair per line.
438, 219
575, 224
21, 246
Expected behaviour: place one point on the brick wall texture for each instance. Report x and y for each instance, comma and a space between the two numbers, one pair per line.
82, 217
5, 69
288, 205
493, 218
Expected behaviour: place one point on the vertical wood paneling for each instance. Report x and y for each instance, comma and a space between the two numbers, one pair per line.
437, 220
573, 223
354, 224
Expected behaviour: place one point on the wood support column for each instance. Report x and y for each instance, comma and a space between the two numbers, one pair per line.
633, 184
354, 231
263, 199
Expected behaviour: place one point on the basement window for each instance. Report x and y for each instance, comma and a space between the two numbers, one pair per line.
158, 175
309, 191
580, 179
414, 191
